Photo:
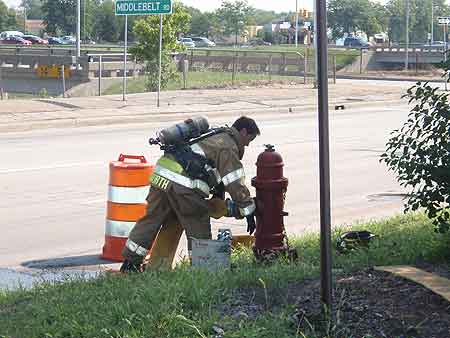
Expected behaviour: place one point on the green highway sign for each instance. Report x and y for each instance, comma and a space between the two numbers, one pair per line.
143, 7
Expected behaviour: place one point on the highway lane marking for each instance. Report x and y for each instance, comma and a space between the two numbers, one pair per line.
56, 166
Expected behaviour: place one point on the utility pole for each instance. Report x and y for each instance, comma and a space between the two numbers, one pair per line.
296, 23
407, 36
321, 39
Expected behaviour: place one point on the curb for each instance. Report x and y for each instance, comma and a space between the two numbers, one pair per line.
437, 284
151, 117
381, 78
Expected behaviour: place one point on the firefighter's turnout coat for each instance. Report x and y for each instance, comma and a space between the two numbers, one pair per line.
174, 196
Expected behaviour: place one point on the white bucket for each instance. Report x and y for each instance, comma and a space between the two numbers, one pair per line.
211, 254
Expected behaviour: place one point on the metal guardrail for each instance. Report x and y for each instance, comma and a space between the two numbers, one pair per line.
399, 49
57, 50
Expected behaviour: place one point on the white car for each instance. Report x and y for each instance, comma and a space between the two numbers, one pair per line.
202, 42
187, 42
68, 40
6, 34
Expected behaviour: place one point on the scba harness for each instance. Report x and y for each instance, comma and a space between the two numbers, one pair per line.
180, 142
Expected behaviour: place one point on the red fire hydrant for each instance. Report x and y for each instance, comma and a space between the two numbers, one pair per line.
271, 189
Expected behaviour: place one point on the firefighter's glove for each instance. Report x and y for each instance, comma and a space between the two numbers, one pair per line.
217, 208
257, 205
232, 209
251, 224
219, 191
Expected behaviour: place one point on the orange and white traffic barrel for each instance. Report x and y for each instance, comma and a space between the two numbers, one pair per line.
129, 184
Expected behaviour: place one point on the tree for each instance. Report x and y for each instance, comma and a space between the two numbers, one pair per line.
201, 23
59, 16
33, 9
349, 16
146, 49
7, 18
419, 19
419, 153
89, 12
106, 24
261, 17
234, 16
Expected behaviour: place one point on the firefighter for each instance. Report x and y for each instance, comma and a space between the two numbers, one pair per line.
177, 193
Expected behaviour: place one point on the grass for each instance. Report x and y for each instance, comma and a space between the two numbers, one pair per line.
196, 80
185, 302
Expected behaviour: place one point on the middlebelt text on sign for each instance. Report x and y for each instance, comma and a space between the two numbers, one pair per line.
133, 7
138, 6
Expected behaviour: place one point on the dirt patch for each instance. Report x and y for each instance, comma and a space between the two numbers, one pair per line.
367, 304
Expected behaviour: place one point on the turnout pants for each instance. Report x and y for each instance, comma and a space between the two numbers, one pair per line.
175, 204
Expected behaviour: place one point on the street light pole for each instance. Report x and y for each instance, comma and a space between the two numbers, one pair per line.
407, 36
25, 19
84, 20
296, 23
432, 22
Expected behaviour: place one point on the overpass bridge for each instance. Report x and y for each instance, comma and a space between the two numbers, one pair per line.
416, 55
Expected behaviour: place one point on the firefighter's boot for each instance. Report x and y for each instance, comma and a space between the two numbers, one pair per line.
131, 267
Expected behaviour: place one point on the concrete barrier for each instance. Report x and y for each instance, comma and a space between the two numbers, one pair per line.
19, 71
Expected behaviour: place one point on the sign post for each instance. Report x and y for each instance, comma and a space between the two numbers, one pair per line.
160, 57
125, 47
143, 7
445, 21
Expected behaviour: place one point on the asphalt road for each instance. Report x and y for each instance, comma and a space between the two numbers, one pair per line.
54, 182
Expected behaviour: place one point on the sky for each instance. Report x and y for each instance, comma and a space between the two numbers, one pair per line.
271, 5
210, 5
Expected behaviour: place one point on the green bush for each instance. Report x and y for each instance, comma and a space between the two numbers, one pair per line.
419, 153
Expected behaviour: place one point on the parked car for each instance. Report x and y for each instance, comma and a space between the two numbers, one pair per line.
187, 42
35, 40
259, 42
435, 44
88, 41
68, 40
15, 40
54, 41
5, 34
356, 42
202, 42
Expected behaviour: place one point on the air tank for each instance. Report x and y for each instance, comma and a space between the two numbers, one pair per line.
183, 132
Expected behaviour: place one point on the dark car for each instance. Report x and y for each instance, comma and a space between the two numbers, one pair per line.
54, 41
258, 42
15, 40
356, 42
35, 40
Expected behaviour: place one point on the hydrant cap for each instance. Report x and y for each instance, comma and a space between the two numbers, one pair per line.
269, 157
269, 170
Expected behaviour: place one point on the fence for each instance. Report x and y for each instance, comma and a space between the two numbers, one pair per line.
233, 66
